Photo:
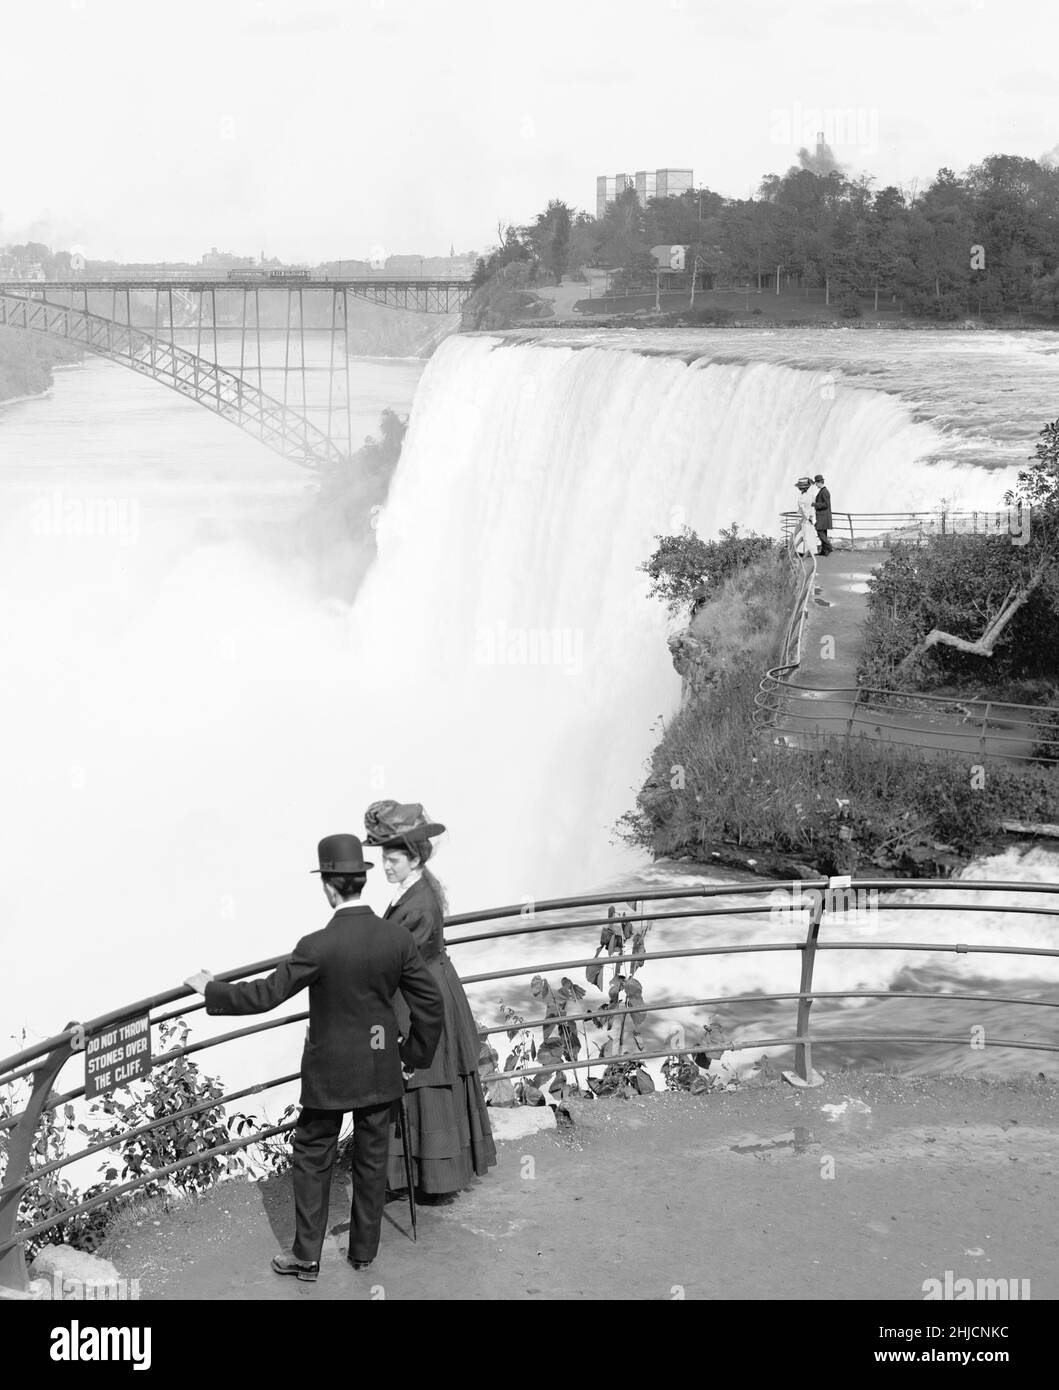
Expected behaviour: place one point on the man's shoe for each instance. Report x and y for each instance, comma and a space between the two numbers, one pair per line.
287, 1264
360, 1264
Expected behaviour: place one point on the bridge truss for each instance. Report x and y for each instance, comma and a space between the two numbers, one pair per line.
270, 356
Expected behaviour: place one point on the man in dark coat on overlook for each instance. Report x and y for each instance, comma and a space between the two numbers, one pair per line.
353, 1055
824, 522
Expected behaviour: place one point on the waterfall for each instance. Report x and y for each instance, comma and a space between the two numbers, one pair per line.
191, 718
507, 589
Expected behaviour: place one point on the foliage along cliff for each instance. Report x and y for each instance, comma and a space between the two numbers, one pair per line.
505, 300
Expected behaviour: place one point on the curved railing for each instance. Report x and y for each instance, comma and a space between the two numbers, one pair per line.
936, 723
880, 530
789, 905
766, 707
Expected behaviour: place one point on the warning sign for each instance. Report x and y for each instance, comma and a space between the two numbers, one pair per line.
117, 1056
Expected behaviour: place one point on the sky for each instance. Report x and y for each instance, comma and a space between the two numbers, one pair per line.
321, 129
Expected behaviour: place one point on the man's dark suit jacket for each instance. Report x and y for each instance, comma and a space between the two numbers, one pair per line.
352, 969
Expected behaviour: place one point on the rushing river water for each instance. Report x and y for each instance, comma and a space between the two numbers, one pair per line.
185, 714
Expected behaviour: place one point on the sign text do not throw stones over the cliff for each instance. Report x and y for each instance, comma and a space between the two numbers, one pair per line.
117, 1055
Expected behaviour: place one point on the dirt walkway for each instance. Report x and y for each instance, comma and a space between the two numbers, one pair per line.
900, 1181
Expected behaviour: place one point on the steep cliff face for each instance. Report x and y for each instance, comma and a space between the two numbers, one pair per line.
694, 662
738, 627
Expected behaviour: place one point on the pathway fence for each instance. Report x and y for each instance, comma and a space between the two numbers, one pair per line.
880, 530
935, 723
798, 912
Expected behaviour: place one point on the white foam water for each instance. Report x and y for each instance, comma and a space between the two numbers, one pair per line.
184, 716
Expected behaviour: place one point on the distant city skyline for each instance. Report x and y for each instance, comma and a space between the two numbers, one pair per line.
324, 130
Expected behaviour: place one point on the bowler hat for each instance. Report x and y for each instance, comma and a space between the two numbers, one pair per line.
341, 854
819, 478
391, 825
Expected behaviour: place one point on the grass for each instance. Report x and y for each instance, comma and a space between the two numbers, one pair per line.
716, 779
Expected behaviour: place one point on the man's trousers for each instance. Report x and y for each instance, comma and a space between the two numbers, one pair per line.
314, 1150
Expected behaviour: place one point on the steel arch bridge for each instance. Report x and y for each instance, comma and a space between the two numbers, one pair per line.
314, 430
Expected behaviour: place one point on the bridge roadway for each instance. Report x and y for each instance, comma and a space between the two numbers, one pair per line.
199, 281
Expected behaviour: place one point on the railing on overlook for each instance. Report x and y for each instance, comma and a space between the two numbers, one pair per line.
880, 530
814, 905
937, 724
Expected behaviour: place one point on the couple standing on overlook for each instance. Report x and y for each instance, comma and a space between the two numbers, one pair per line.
387, 1016
814, 509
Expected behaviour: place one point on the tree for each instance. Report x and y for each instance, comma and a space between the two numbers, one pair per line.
511, 248
622, 232
548, 238
1044, 294
1012, 574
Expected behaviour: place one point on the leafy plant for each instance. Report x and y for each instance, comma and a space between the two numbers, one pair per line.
685, 568
173, 1085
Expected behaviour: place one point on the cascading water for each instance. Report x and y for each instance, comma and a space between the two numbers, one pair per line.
189, 717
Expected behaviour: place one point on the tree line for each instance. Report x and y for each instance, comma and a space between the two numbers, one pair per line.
985, 242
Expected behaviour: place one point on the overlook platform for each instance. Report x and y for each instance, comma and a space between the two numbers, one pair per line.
674, 1195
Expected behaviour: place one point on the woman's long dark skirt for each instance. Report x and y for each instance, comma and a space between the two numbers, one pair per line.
451, 1138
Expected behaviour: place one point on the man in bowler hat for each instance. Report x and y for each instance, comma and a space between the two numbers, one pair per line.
353, 1056
823, 520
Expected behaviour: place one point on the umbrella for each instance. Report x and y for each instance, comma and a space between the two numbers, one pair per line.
406, 1144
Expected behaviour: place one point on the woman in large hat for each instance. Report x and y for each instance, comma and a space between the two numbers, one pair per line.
451, 1138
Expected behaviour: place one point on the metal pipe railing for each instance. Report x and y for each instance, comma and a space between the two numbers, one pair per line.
778, 698
911, 528
811, 904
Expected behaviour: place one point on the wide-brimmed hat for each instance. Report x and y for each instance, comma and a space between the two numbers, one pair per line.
341, 854
803, 482
393, 825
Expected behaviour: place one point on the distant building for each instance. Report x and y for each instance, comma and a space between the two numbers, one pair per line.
661, 183
225, 260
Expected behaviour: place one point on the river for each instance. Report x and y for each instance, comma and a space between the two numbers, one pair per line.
187, 713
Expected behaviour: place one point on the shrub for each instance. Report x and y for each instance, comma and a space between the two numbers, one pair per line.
174, 1084
708, 316
953, 583
685, 567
